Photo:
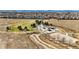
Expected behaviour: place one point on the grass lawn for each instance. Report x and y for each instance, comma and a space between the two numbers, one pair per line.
22, 22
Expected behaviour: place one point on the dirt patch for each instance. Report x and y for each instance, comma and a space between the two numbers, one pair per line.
16, 40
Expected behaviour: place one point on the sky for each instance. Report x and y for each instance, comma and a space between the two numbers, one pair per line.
39, 10
47, 10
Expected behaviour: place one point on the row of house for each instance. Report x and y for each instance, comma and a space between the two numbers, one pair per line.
41, 15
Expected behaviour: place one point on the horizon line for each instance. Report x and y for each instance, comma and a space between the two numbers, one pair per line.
47, 10
39, 10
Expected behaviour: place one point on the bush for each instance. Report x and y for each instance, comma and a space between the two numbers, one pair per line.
38, 22
46, 23
20, 28
33, 25
8, 28
26, 29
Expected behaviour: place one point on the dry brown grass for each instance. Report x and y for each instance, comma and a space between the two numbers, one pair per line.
16, 40
73, 25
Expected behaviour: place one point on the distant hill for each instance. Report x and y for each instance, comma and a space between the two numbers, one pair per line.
7, 10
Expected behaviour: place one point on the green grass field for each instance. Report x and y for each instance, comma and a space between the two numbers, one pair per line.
21, 22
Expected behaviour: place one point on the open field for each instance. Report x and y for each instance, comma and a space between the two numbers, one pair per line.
70, 24
18, 39
14, 23
14, 40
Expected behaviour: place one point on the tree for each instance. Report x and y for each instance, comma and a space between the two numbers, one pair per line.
8, 28
38, 22
20, 28
50, 24
26, 29
33, 25
46, 23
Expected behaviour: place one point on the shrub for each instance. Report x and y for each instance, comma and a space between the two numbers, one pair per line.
33, 25
20, 28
